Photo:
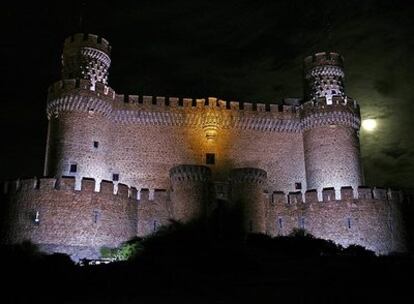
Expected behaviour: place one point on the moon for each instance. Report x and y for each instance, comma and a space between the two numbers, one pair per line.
369, 124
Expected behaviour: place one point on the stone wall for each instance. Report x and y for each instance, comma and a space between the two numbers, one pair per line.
142, 139
154, 211
52, 214
371, 218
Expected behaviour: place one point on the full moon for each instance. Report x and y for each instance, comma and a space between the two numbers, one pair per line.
369, 124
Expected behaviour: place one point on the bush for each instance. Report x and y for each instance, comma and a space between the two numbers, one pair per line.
124, 252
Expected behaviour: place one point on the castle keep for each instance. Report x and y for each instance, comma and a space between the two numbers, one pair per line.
120, 166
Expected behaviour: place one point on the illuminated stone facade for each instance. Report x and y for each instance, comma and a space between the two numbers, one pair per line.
177, 158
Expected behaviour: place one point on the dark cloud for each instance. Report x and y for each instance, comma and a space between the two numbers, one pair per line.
237, 50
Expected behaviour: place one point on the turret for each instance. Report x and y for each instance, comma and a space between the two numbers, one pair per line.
247, 197
86, 56
324, 76
79, 108
330, 122
190, 192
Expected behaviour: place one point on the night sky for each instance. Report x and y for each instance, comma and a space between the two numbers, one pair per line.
236, 50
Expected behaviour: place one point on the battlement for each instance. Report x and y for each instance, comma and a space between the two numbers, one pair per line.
342, 110
79, 40
212, 103
329, 195
67, 183
338, 103
323, 58
248, 175
68, 86
190, 173
199, 111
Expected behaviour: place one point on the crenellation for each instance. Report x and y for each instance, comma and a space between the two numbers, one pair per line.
144, 195
379, 193
122, 191
347, 193
247, 106
364, 192
147, 100
395, 195
279, 198
295, 198
89, 40
133, 99
311, 196
328, 194
261, 107
88, 184
47, 183
28, 184
235, 105
322, 59
64, 183
160, 101
223, 104
107, 187
133, 193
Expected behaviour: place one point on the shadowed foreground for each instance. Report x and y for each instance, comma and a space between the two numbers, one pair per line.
190, 264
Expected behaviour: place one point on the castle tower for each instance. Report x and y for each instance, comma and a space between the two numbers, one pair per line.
330, 121
86, 56
190, 191
247, 197
79, 109
324, 76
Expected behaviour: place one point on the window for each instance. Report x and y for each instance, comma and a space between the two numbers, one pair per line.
73, 168
36, 218
155, 225
298, 186
115, 177
302, 222
210, 158
280, 220
95, 144
349, 223
95, 216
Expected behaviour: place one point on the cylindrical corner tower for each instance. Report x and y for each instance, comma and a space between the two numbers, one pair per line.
190, 191
86, 56
247, 197
330, 121
79, 111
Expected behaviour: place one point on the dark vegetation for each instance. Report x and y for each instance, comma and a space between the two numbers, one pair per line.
192, 264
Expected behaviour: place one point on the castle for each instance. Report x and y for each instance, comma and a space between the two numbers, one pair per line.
122, 166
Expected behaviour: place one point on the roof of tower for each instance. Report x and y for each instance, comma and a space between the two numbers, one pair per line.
323, 58
80, 40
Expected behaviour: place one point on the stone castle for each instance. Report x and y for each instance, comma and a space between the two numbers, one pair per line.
121, 166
